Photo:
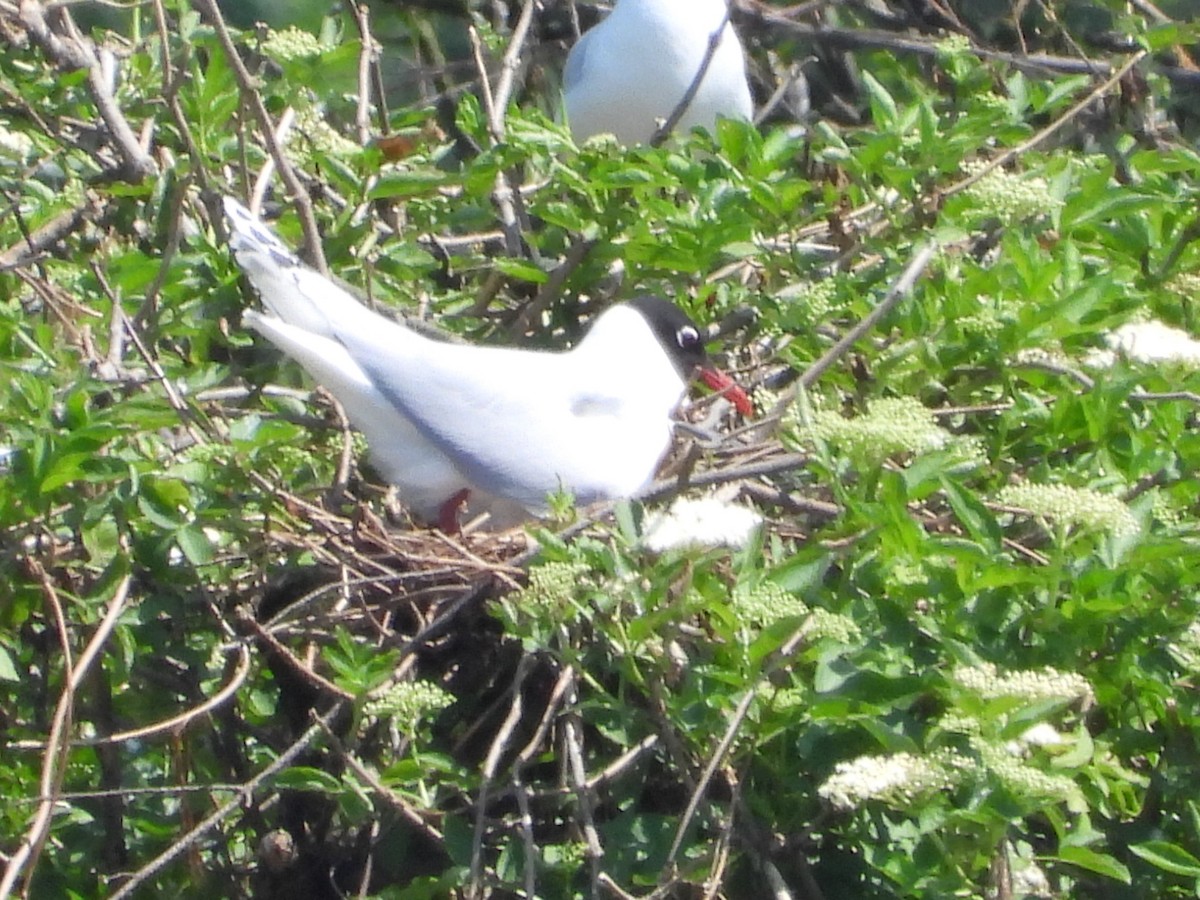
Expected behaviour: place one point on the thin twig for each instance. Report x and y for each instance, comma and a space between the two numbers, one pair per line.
735, 722
75, 51
897, 292
406, 810
367, 55
491, 764
58, 743
714, 41
237, 804
296, 189
166, 727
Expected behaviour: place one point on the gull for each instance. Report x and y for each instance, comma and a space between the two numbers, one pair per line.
502, 427
632, 70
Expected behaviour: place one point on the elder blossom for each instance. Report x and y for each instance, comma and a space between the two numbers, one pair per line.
1151, 342
898, 780
702, 523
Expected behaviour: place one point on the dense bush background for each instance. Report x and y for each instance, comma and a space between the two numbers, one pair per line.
959, 659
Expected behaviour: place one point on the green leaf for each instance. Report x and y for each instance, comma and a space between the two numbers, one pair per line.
64, 470
974, 516
306, 778
102, 541
1100, 863
408, 183
195, 545
1168, 857
883, 106
520, 269
8, 669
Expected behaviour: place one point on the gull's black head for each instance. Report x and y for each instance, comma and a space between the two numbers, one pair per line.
678, 334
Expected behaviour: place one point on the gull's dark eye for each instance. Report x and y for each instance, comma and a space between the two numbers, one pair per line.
687, 337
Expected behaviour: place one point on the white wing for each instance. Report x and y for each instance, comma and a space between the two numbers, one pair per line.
513, 424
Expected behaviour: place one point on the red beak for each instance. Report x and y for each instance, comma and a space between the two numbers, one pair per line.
727, 387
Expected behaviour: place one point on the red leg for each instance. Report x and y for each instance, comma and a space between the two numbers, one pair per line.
448, 515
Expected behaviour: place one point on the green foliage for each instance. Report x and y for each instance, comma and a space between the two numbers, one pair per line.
960, 653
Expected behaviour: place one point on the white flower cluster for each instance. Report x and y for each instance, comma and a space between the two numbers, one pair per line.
407, 702
960, 723
767, 603
14, 145
320, 136
890, 425
551, 586
898, 780
825, 624
953, 45
1186, 649
1029, 685
1081, 507
1043, 734
1009, 197
1185, 284
1030, 881
765, 400
700, 523
291, 43
789, 698
814, 298
1040, 356
1151, 343
1168, 511
992, 100
989, 320
1023, 779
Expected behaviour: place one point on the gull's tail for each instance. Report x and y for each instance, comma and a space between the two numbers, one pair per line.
291, 291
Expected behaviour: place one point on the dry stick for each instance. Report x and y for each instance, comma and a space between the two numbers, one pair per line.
312, 237
714, 41
872, 206
1088, 383
779, 888
1008, 155
174, 236
490, 764
507, 197
781, 28
721, 854
166, 727
262, 180
169, 790
46, 236
718, 755
897, 292
606, 881
55, 762
172, 83
406, 810
366, 59
525, 826
58, 744
794, 74
78, 52
298, 668
245, 795
564, 683
552, 289
502, 193
510, 62
573, 739
173, 397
